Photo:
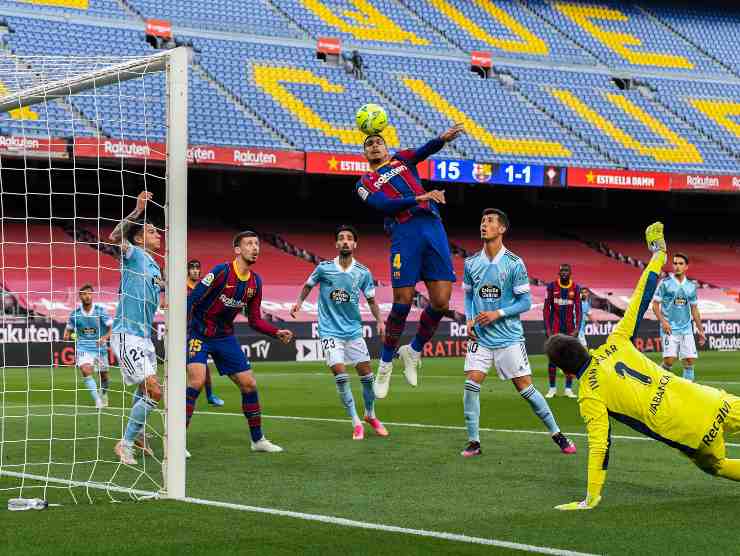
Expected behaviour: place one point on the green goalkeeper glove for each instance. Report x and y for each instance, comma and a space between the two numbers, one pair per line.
588, 504
654, 237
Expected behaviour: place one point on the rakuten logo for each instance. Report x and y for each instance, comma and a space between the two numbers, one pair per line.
199, 154
251, 158
18, 143
120, 148
702, 182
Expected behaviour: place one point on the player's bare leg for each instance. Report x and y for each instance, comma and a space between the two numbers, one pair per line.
526, 389
367, 379
688, 368
344, 389
89, 381
247, 384
149, 394
471, 410
440, 292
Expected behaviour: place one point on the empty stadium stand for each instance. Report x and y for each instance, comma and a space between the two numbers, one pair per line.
551, 98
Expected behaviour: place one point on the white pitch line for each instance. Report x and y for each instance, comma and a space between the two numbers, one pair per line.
390, 528
92, 411
331, 520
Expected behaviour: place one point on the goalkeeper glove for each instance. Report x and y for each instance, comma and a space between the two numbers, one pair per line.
588, 504
654, 237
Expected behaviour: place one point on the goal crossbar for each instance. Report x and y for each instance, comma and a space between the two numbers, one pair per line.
116, 73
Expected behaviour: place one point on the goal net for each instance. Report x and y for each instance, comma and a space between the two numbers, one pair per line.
80, 138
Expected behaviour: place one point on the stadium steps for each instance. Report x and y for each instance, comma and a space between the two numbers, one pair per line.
565, 36
559, 121
665, 107
658, 21
232, 98
130, 10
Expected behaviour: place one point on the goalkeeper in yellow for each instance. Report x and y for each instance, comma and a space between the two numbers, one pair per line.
618, 381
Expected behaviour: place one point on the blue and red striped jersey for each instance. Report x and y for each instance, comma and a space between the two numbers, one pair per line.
393, 188
216, 300
562, 310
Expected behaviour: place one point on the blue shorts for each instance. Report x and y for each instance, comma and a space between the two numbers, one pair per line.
420, 251
226, 352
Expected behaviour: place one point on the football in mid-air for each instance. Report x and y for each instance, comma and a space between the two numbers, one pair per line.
371, 118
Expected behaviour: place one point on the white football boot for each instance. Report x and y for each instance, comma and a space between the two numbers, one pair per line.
383, 379
411, 364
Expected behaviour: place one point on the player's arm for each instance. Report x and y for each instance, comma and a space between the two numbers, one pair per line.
578, 310
645, 289
469, 314
210, 281
431, 147
108, 323
254, 314
595, 415
118, 235
658, 308
311, 281
381, 202
696, 316
69, 328
522, 299
368, 290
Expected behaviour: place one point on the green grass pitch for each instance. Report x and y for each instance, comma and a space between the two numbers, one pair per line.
655, 501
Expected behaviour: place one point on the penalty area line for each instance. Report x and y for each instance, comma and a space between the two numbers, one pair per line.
344, 522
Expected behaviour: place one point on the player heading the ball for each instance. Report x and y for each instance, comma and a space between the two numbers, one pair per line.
618, 381
341, 282
419, 246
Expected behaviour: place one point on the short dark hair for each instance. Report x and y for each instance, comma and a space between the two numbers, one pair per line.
370, 136
193, 263
86, 287
500, 214
241, 235
566, 352
565, 265
135, 228
683, 256
346, 228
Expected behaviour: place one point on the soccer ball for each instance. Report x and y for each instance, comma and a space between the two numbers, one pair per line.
371, 118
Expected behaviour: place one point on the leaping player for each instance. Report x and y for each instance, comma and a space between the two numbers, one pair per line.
419, 246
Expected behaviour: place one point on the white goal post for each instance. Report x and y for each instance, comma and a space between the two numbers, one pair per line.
39, 88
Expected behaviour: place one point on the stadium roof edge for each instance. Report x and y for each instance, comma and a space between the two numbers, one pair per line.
310, 43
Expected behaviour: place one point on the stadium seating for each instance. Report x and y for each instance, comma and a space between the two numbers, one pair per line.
107, 9
245, 16
283, 97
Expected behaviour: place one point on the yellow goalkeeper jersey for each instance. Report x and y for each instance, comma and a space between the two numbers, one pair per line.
622, 383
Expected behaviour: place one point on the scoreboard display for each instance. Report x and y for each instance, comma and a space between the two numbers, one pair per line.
470, 171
